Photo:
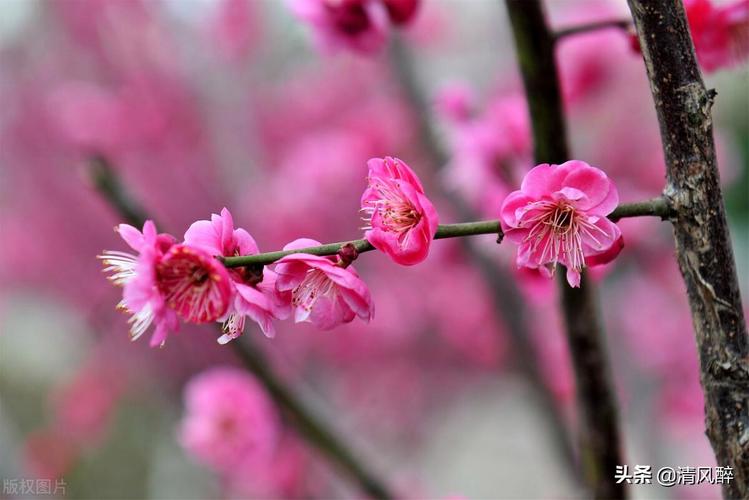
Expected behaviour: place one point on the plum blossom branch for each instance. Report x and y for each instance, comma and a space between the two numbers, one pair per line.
600, 434
655, 207
658, 207
623, 24
303, 419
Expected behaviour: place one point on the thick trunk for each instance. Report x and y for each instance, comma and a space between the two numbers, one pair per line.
702, 242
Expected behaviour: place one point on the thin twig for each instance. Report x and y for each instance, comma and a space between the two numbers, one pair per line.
655, 207
311, 428
622, 24
600, 435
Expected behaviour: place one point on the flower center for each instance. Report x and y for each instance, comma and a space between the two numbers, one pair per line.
555, 232
395, 212
192, 285
315, 285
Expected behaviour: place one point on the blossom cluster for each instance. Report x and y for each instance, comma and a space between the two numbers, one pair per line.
359, 25
557, 217
720, 32
166, 280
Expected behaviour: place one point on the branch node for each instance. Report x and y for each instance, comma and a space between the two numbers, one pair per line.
347, 254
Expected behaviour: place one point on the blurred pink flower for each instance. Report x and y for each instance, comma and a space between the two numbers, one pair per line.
235, 28
720, 33
85, 404
290, 473
360, 25
401, 221
88, 115
254, 292
194, 284
501, 134
490, 151
401, 11
137, 274
323, 292
49, 454
455, 101
324, 168
559, 217
228, 420
588, 64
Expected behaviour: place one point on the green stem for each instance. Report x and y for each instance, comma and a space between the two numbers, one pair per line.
658, 207
655, 207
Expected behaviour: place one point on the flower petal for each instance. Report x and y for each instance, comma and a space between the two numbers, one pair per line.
542, 180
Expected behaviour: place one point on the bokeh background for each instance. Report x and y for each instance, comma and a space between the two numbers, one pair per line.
201, 105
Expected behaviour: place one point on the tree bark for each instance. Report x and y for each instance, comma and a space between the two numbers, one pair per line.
600, 447
702, 241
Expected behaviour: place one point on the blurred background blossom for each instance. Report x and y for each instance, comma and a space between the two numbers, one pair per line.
203, 104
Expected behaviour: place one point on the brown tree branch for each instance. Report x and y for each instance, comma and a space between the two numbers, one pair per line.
600, 441
702, 241
622, 24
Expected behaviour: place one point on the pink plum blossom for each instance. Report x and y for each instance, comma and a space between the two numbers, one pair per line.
194, 284
323, 292
720, 32
559, 217
359, 25
137, 274
254, 292
228, 419
401, 220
